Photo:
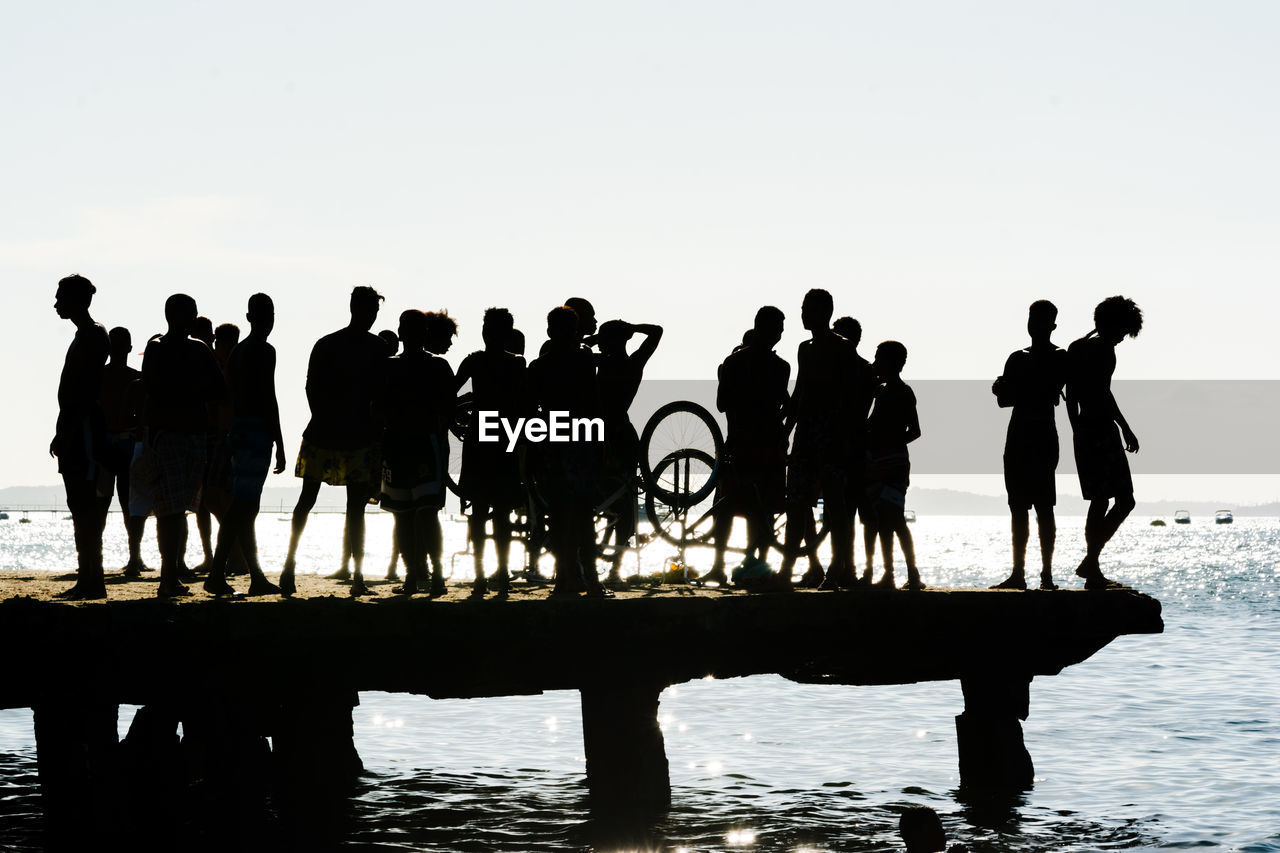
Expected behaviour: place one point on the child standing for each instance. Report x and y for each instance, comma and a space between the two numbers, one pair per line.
893, 425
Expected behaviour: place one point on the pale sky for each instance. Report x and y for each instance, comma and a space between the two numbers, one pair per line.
937, 166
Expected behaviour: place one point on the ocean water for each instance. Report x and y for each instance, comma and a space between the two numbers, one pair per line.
1163, 742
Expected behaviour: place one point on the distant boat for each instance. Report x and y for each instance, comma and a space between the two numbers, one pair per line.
1223, 516
4, 516
24, 521
909, 515
1182, 517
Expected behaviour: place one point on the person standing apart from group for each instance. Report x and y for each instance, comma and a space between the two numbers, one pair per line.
79, 441
340, 445
1100, 432
1032, 384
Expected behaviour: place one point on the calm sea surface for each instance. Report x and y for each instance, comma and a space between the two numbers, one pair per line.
1160, 742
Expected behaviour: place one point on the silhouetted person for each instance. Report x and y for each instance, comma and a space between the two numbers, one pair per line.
181, 378
392, 340
124, 431
515, 342
418, 401
1032, 384
79, 440
490, 477
340, 443
752, 393
254, 430
586, 314
563, 379
202, 330
922, 832
819, 454
893, 425
618, 374
862, 390
1100, 432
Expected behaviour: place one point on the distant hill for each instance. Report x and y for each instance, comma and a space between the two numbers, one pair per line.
922, 501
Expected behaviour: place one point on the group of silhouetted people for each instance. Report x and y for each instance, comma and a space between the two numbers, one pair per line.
197, 428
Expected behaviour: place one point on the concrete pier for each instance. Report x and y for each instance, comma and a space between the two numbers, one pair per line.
198, 654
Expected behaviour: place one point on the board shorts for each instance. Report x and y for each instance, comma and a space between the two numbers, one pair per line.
1101, 462
490, 475
1030, 460
361, 466
888, 477
176, 463
414, 468
754, 477
249, 446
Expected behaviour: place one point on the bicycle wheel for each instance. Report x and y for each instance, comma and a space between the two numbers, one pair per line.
681, 426
670, 506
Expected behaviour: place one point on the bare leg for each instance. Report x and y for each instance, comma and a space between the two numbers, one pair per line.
357, 499
1100, 525
433, 541
204, 524
1021, 527
909, 554
502, 544
887, 516
476, 530
721, 527
306, 501
171, 532
1048, 529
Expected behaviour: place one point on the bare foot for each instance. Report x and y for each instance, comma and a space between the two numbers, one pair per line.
1014, 581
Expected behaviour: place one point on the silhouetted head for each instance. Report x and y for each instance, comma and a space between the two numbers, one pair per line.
921, 830
614, 335
1042, 319
586, 314
121, 343
1116, 318
225, 338
441, 329
202, 330
496, 328
768, 327
515, 342
849, 329
74, 294
391, 340
413, 329
891, 357
365, 302
562, 325
180, 313
261, 314
816, 310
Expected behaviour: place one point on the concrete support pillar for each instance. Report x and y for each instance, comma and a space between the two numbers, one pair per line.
76, 749
992, 753
626, 756
315, 758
